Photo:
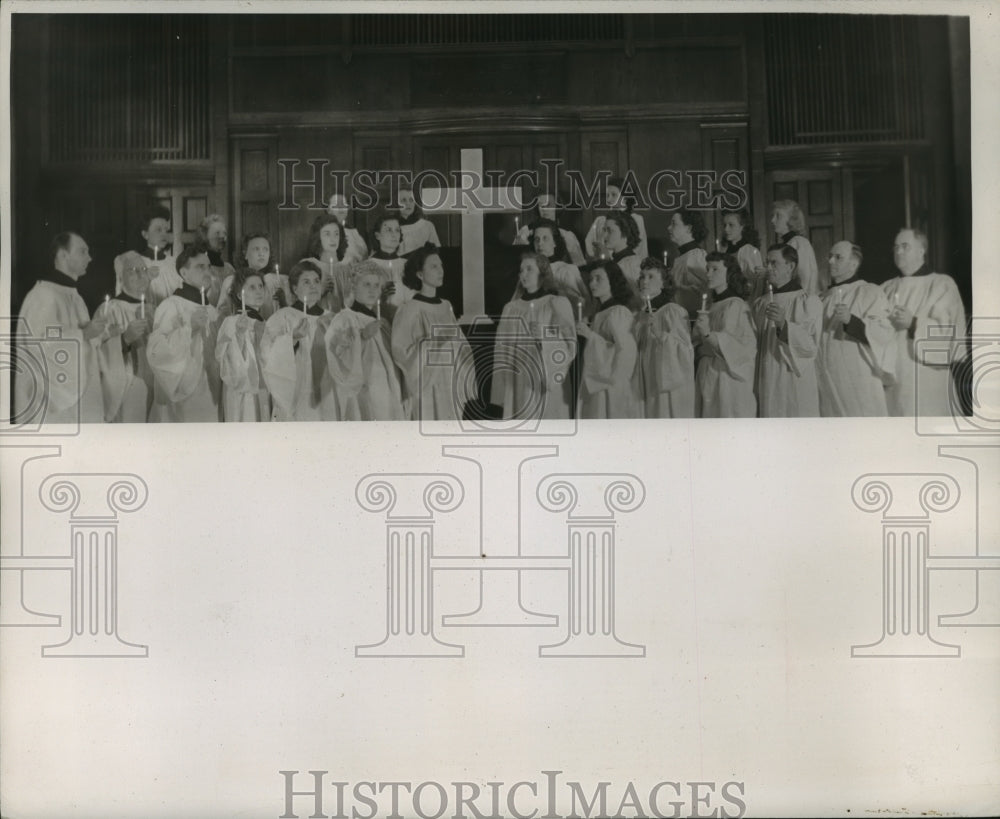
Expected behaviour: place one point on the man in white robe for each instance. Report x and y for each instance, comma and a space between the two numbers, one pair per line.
162, 268
181, 348
788, 323
923, 305
417, 229
213, 236
856, 349
51, 387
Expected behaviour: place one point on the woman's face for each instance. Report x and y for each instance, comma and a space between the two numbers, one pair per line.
717, 276
529, 275
329, 237
779, 221
650, 282
612, 196
600, 287
547, 207
338, 207
680, 233
368, 288
254, 292
731, 228
613, 238
545, 242
258, 253
433, 273
308, 288
407, 204
389, 236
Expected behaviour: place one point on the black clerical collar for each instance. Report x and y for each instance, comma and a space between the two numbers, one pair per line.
851, 280
924, 270
315, 310
412, 219
787, 237
734, 248
148, 253
658, 302
358, 307
191, 293
687, 246
790, 286
426, 299
56, 277
251, 313
610, 303
125, 297
621, 254
536, 295
381, 254
215, 258
725, 294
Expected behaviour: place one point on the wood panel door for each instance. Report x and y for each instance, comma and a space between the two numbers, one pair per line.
255, 192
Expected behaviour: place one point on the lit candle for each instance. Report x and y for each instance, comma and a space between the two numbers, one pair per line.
517, 224
305, 307
704, 302
142, 305
243, 301
649, 306
579, 310
895, 298
156, 253
107, 306
378, 310
718, 245
665, 257
203, 297
840, 296
770, 293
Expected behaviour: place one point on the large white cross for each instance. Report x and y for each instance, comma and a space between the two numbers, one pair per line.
472, 200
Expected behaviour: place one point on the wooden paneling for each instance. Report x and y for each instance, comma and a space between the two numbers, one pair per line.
725, 147
255, 191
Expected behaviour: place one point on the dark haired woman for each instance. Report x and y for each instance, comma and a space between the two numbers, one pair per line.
609, 356
548, 241
621, 239
327, 248
429, 346
417, 230
664, 372
727, 346
594, 242
548, 212
687, 230
743, 242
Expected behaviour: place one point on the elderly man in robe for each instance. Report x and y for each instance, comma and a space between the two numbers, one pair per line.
856, 349
923, 305
57, 319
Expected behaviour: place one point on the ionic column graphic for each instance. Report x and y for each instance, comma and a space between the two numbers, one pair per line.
590, 502
905, 501
409, 502
94, 501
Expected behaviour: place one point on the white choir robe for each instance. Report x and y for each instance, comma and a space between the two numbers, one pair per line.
936, 303
394, 273
244, 393
852, 373
531, 372
569, 282
366, 379
807, 270
357, 250
573, 249
219, 274
295, 370
164, 280
664, 370
126, 377
787, 385
594, 241
273, 283
185, 372
437, 390
726, 362
750, 261
336, 284
70, 394
690, 275
630, 266
609, 360
418, 234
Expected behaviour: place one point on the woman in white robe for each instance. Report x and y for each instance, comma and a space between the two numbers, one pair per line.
688, 231
789, 225
741, 240
609, 357
417, 230
547, 240
237, 349
535, 347
664, 370
357, 350
726, 344
327, 249
387, 237
620, 240
594, 241
255, 257
357, 250
548, 212
429, 346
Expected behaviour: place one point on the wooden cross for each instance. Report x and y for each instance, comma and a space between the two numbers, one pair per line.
471, 201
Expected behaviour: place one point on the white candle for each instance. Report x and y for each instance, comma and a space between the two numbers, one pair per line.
142, 305
840, 295
718, 246
704, 302
770, 292
305, 308
517, 224
579, 310
243, 301
156, 253
665, 257
649, 305
203, 297
378, 309
895, 299
107, 306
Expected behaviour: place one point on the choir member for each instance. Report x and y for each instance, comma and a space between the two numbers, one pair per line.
255, 257
429, 346
857, 347
294, 379
621, 239
727, 346
357, 250
548, 241
327, 248
358, 340
126, 378
789, 225
548, 212
417, 231
536, 343
788, 322
924, 305
70, 394
181, 347
237, 350
743, 242
212, 234
387, 239
164, 279
594, 241
687, 230
664, 371
609, 356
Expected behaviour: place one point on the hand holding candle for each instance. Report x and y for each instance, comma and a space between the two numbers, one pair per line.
142, 305
704, 302
579, 310
243, 301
